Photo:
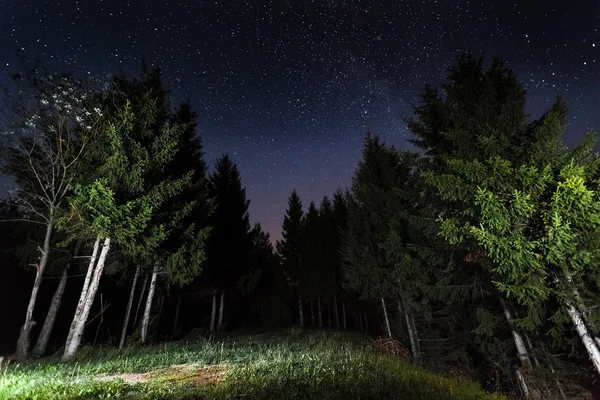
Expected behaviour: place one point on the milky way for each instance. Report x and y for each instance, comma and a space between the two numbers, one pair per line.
289, 88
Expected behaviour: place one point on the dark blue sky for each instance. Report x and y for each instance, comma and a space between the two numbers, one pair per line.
289, 88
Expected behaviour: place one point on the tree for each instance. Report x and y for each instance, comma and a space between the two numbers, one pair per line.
290, 248
229, 243
56, 115
119, 201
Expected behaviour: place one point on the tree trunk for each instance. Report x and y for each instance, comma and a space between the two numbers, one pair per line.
584, 335
328, 313
176, 314
386, 319
344, 314
42, 342
366, 323
517, 338
73, 345
40, 347
360, 322
140, 299
320, 313
312, 313
213, 315
221, 309
146, 317
84, 290
411, 328
337, 315
522, 384
300, 311
22, 351
128, 310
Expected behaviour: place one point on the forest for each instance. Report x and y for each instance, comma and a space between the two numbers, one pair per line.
474, 258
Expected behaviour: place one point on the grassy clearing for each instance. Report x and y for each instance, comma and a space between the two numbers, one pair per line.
285, 365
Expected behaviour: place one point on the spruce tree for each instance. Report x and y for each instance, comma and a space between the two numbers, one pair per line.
290, 248
229, 243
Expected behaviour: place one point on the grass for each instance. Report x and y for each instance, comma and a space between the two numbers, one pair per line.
293, 364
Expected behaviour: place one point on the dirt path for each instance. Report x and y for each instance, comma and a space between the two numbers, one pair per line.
182, 373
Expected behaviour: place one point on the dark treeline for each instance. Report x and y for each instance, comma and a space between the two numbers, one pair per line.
478, 254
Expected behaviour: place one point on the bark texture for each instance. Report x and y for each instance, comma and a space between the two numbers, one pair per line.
385, 318
42, 342
73, 345
84, 289
128, 310
22, 351
585, 336
146, 317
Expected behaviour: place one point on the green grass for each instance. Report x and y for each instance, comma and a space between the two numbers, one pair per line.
284, 365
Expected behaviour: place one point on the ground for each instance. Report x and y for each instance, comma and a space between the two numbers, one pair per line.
292, 364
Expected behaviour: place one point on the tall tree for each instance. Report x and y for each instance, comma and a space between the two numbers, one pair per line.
55, 116
290, 248
229, 243
117, 201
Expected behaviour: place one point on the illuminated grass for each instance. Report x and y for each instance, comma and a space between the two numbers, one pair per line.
285, 365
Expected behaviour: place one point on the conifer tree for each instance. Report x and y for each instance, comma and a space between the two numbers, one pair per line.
290, 248
118, 199
229, 244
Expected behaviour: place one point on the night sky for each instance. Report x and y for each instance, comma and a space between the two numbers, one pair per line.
289, 88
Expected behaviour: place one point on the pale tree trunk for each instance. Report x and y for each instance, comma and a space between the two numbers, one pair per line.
146, 317
213, 315
337, 315
84, 290
320, 313
42, 342
128, 310
22, 351
344, 314
411, 328
385, 318
522, 353
328, 313
221, 310
522, 383
312, 313
73, 345
517, 338
176, 314
584, 335
139, 305
40, 347
366, 323
300, 311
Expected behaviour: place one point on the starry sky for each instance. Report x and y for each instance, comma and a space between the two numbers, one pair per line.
288, 88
